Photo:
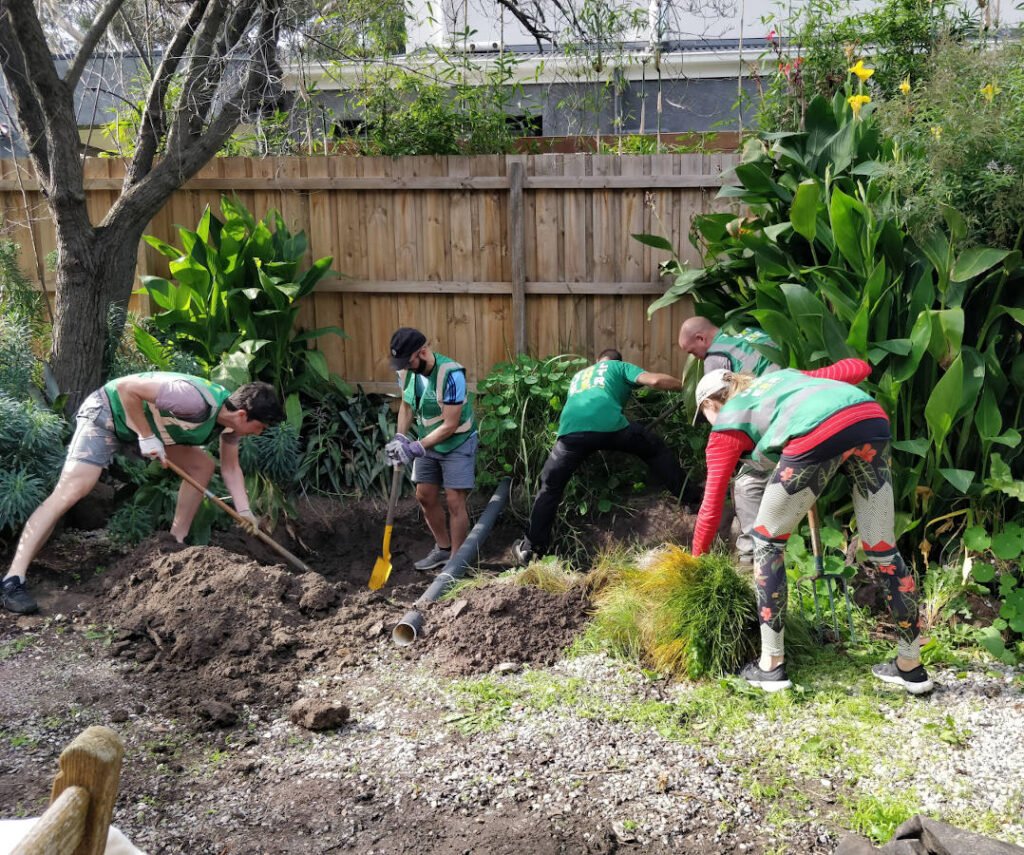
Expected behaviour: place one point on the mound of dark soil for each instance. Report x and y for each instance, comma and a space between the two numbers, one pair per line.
231, 628
502, 623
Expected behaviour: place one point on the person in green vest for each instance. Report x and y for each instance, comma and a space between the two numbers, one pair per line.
592, 420
808, 427
435, 396
700, 338
171, 416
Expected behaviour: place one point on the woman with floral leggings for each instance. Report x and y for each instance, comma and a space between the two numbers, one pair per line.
811, 425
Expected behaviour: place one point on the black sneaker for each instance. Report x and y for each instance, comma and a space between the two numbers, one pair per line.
914, 681
16, 598
522, 551
770, 681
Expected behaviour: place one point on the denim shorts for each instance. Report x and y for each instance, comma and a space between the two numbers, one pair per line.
455, 470
94, 440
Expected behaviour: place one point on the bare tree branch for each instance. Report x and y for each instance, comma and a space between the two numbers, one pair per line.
27, 111
92, 38
154, 123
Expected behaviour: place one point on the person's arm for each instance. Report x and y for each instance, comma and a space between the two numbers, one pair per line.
451, 415
231, 472
714, 361
133, 391
851, 371
722, 454
665, 382
404, 418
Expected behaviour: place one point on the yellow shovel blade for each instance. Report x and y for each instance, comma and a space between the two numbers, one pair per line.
382, 567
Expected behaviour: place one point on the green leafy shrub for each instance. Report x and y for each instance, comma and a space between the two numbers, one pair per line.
960, 133
994, 560
274, 453
234, 301
344, 446
815, 47
461, 111
819, 260
31, 457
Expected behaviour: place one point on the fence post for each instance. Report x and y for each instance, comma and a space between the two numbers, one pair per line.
517, 248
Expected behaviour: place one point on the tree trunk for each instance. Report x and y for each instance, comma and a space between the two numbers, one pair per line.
97, 268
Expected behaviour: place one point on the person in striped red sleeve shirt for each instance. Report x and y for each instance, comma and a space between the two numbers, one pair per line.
810, 424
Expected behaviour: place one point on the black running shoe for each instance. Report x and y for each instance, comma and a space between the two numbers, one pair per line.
914, 681
770, 681
16, 598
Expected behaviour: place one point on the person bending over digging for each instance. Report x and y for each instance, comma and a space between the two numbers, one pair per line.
171, 416
810, 427
434, 392
592, 420
699, 337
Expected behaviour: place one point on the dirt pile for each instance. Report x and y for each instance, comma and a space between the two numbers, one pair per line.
501, 623
229, 628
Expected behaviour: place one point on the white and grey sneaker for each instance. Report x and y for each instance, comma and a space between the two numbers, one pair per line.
914, 681
437, 557
770, 681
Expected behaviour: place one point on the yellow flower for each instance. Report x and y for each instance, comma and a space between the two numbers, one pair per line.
858, 101
990, 90
905, 85
937, 131
861, 72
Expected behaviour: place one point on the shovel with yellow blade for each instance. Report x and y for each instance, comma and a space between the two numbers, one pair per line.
382, 569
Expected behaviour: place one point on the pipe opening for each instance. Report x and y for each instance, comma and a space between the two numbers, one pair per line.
404, 634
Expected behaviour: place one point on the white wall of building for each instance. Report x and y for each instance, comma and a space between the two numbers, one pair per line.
444, 22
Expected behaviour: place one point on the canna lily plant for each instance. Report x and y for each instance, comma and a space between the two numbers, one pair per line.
821, 265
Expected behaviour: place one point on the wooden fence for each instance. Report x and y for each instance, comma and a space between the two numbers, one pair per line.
488, 255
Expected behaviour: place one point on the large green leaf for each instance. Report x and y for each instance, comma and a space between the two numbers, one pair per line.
943, 403
975, 261
850, 222
655, 241
804, 212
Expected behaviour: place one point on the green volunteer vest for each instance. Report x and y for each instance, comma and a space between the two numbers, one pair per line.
171, 429
428, 407
596, 397
740, 351
782, 406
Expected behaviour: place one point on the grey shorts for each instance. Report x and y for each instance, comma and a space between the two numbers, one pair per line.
94, 440
455, 470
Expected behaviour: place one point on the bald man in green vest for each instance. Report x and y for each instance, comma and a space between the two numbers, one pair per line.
171, 416
738, 353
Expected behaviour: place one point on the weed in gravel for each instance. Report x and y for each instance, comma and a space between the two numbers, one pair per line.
484, 705
947, 730
13, 648
878, 817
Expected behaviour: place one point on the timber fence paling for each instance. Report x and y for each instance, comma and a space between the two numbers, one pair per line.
488, 255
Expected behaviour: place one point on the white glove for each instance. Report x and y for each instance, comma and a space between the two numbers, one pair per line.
152, 447
251, 524
393, 450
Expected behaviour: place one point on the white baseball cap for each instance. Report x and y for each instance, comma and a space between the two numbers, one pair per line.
710, 384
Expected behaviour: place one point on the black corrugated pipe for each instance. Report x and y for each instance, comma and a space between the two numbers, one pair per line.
408, 628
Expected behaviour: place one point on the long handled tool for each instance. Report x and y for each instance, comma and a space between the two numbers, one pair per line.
298, 563
382, 567
828, 578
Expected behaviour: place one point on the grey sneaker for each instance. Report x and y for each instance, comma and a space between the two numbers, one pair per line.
437, 557
914, 681
770, 681
17, 599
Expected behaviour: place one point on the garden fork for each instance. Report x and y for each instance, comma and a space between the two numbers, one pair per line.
829, 579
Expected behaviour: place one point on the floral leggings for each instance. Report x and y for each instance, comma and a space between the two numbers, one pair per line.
862, 452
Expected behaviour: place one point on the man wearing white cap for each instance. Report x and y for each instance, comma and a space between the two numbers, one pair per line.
737, 352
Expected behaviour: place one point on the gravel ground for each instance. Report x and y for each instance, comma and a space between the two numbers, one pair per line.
560, 759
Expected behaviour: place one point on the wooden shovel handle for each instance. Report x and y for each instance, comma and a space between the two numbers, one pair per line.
396, 488
238, 518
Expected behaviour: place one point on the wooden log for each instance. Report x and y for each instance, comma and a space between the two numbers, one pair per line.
61, 828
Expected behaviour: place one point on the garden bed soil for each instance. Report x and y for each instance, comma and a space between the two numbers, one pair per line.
208, 638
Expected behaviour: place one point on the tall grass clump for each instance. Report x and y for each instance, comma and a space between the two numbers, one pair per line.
684, 616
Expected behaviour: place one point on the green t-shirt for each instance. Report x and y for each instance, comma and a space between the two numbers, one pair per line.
597, 395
